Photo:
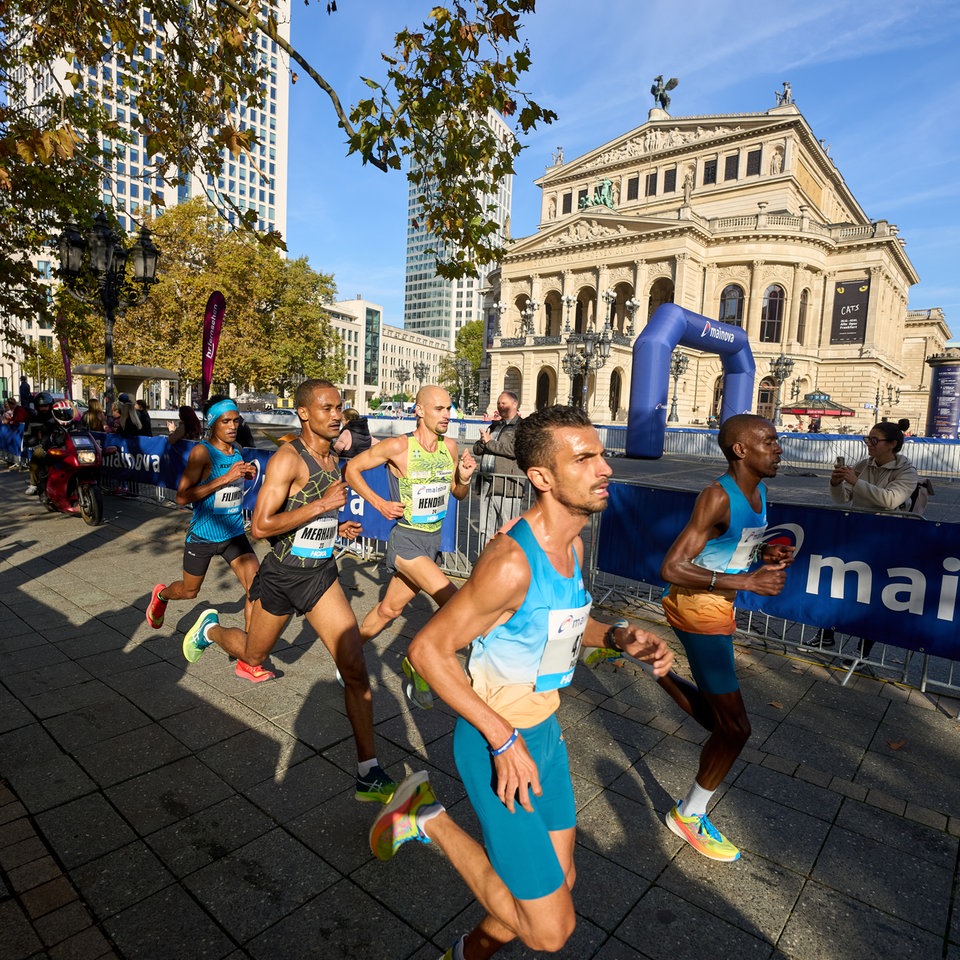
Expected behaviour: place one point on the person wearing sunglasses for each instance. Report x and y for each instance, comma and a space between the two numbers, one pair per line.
884, 481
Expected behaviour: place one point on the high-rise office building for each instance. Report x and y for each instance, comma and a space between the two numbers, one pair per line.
432, 305
256, 181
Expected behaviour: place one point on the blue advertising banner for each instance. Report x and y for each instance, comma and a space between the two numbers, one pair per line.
151, 460
864, 574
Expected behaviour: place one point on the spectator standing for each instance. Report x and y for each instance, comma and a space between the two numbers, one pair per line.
146, 424
26, 394
501, 481
354, 437
189, 427
93, 418
128, 423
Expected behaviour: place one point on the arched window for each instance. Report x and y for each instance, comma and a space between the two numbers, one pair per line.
771, 315
660, 293
731, 305
802, 316
543, 390
513, 381
615, 388
767, 398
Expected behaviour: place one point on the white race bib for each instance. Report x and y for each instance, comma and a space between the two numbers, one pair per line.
228, 499
429, 502
560, 655
751, 539
315, 541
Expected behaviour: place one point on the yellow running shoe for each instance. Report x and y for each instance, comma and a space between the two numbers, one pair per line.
702, 835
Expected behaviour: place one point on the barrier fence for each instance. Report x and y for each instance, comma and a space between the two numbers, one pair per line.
889, 593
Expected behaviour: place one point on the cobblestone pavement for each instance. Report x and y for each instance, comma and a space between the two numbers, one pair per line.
155, 809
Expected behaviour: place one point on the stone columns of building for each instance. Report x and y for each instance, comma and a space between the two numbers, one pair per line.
540, 313
826, 318
680, 265
874, 335
603, 283
640, 294
709, 303
755, 304
788, 155
793, 306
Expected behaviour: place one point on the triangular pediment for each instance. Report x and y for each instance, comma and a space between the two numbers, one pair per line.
590, 225
661, 139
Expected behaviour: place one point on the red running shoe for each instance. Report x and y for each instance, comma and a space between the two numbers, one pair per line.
156, 608
254, 674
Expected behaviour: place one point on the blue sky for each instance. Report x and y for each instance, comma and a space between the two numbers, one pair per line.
877, 81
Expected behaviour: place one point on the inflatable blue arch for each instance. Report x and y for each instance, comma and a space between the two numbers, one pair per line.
669, 327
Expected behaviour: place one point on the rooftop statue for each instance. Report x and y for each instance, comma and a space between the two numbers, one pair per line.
786, 97
659, 91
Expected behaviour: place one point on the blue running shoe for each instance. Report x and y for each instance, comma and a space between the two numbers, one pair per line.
195, 642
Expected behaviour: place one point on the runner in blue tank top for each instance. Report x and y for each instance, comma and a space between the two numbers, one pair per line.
213, 482
527, 601
717, 553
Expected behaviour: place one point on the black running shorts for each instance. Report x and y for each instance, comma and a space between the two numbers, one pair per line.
283, 590
197, 554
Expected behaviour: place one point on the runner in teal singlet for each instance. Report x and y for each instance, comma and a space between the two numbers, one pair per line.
213, 483
425, 469
297, 510
526, 600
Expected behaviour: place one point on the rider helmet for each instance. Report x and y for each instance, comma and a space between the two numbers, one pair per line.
63, 411
44, 399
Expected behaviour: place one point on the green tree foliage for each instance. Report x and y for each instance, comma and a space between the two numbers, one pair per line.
274, 323
461, 374
429, 109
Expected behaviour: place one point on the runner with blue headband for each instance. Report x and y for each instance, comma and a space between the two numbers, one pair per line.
213, 482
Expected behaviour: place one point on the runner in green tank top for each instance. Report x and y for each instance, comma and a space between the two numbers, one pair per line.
426, 469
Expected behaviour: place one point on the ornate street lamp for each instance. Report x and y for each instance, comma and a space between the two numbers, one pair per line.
610, 298
464, 370
529, 312
500, 307
596, 350
795, 389
893, 396
107, 265
421, 370
403, 375
568, 301
678, 367
632, 307
780, 369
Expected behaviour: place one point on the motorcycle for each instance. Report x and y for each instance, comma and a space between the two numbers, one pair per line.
72, 475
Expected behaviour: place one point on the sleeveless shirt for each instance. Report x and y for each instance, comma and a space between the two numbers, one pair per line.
425, 490
698, 610
310, 545
219, 515
519, 667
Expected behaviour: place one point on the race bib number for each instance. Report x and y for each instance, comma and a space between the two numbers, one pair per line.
315, 541
228, 499
751, 539
429, 502
560, 655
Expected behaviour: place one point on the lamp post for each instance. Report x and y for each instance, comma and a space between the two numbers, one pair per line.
893, 396
780, 368
678, 367
795, 389
609, 298
403, 375
500, 307
464, 369
421, 370
596, 349
529, 312
107, 264
568, 301
632, 307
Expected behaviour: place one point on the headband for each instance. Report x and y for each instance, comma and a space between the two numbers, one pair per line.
219, 409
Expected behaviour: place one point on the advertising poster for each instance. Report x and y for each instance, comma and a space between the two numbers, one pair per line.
850, 301
943, 411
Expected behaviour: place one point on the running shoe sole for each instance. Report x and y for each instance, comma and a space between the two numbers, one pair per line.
417, 690
155, 617
381, 833
192, 651
691, 838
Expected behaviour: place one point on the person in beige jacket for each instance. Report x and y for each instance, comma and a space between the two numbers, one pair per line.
884, 481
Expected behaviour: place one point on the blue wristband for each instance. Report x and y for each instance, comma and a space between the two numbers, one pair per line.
507, 745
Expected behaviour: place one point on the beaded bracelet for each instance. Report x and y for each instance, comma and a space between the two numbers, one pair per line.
507, 745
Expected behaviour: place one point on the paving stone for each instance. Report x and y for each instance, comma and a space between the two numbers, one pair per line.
51, 782
62, 923
48, 896
84, 829
20, 940
121, 878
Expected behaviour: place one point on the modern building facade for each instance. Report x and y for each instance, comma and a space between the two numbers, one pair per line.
257, 181
434, 306
382, 360
743, 218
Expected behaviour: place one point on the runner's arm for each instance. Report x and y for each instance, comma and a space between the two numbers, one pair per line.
392, 452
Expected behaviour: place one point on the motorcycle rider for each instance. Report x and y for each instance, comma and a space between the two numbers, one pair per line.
47, 433
38, 428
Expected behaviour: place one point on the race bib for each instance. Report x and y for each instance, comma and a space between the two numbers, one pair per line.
429, 502
315, 541
228, 499
560, 655
751, 539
